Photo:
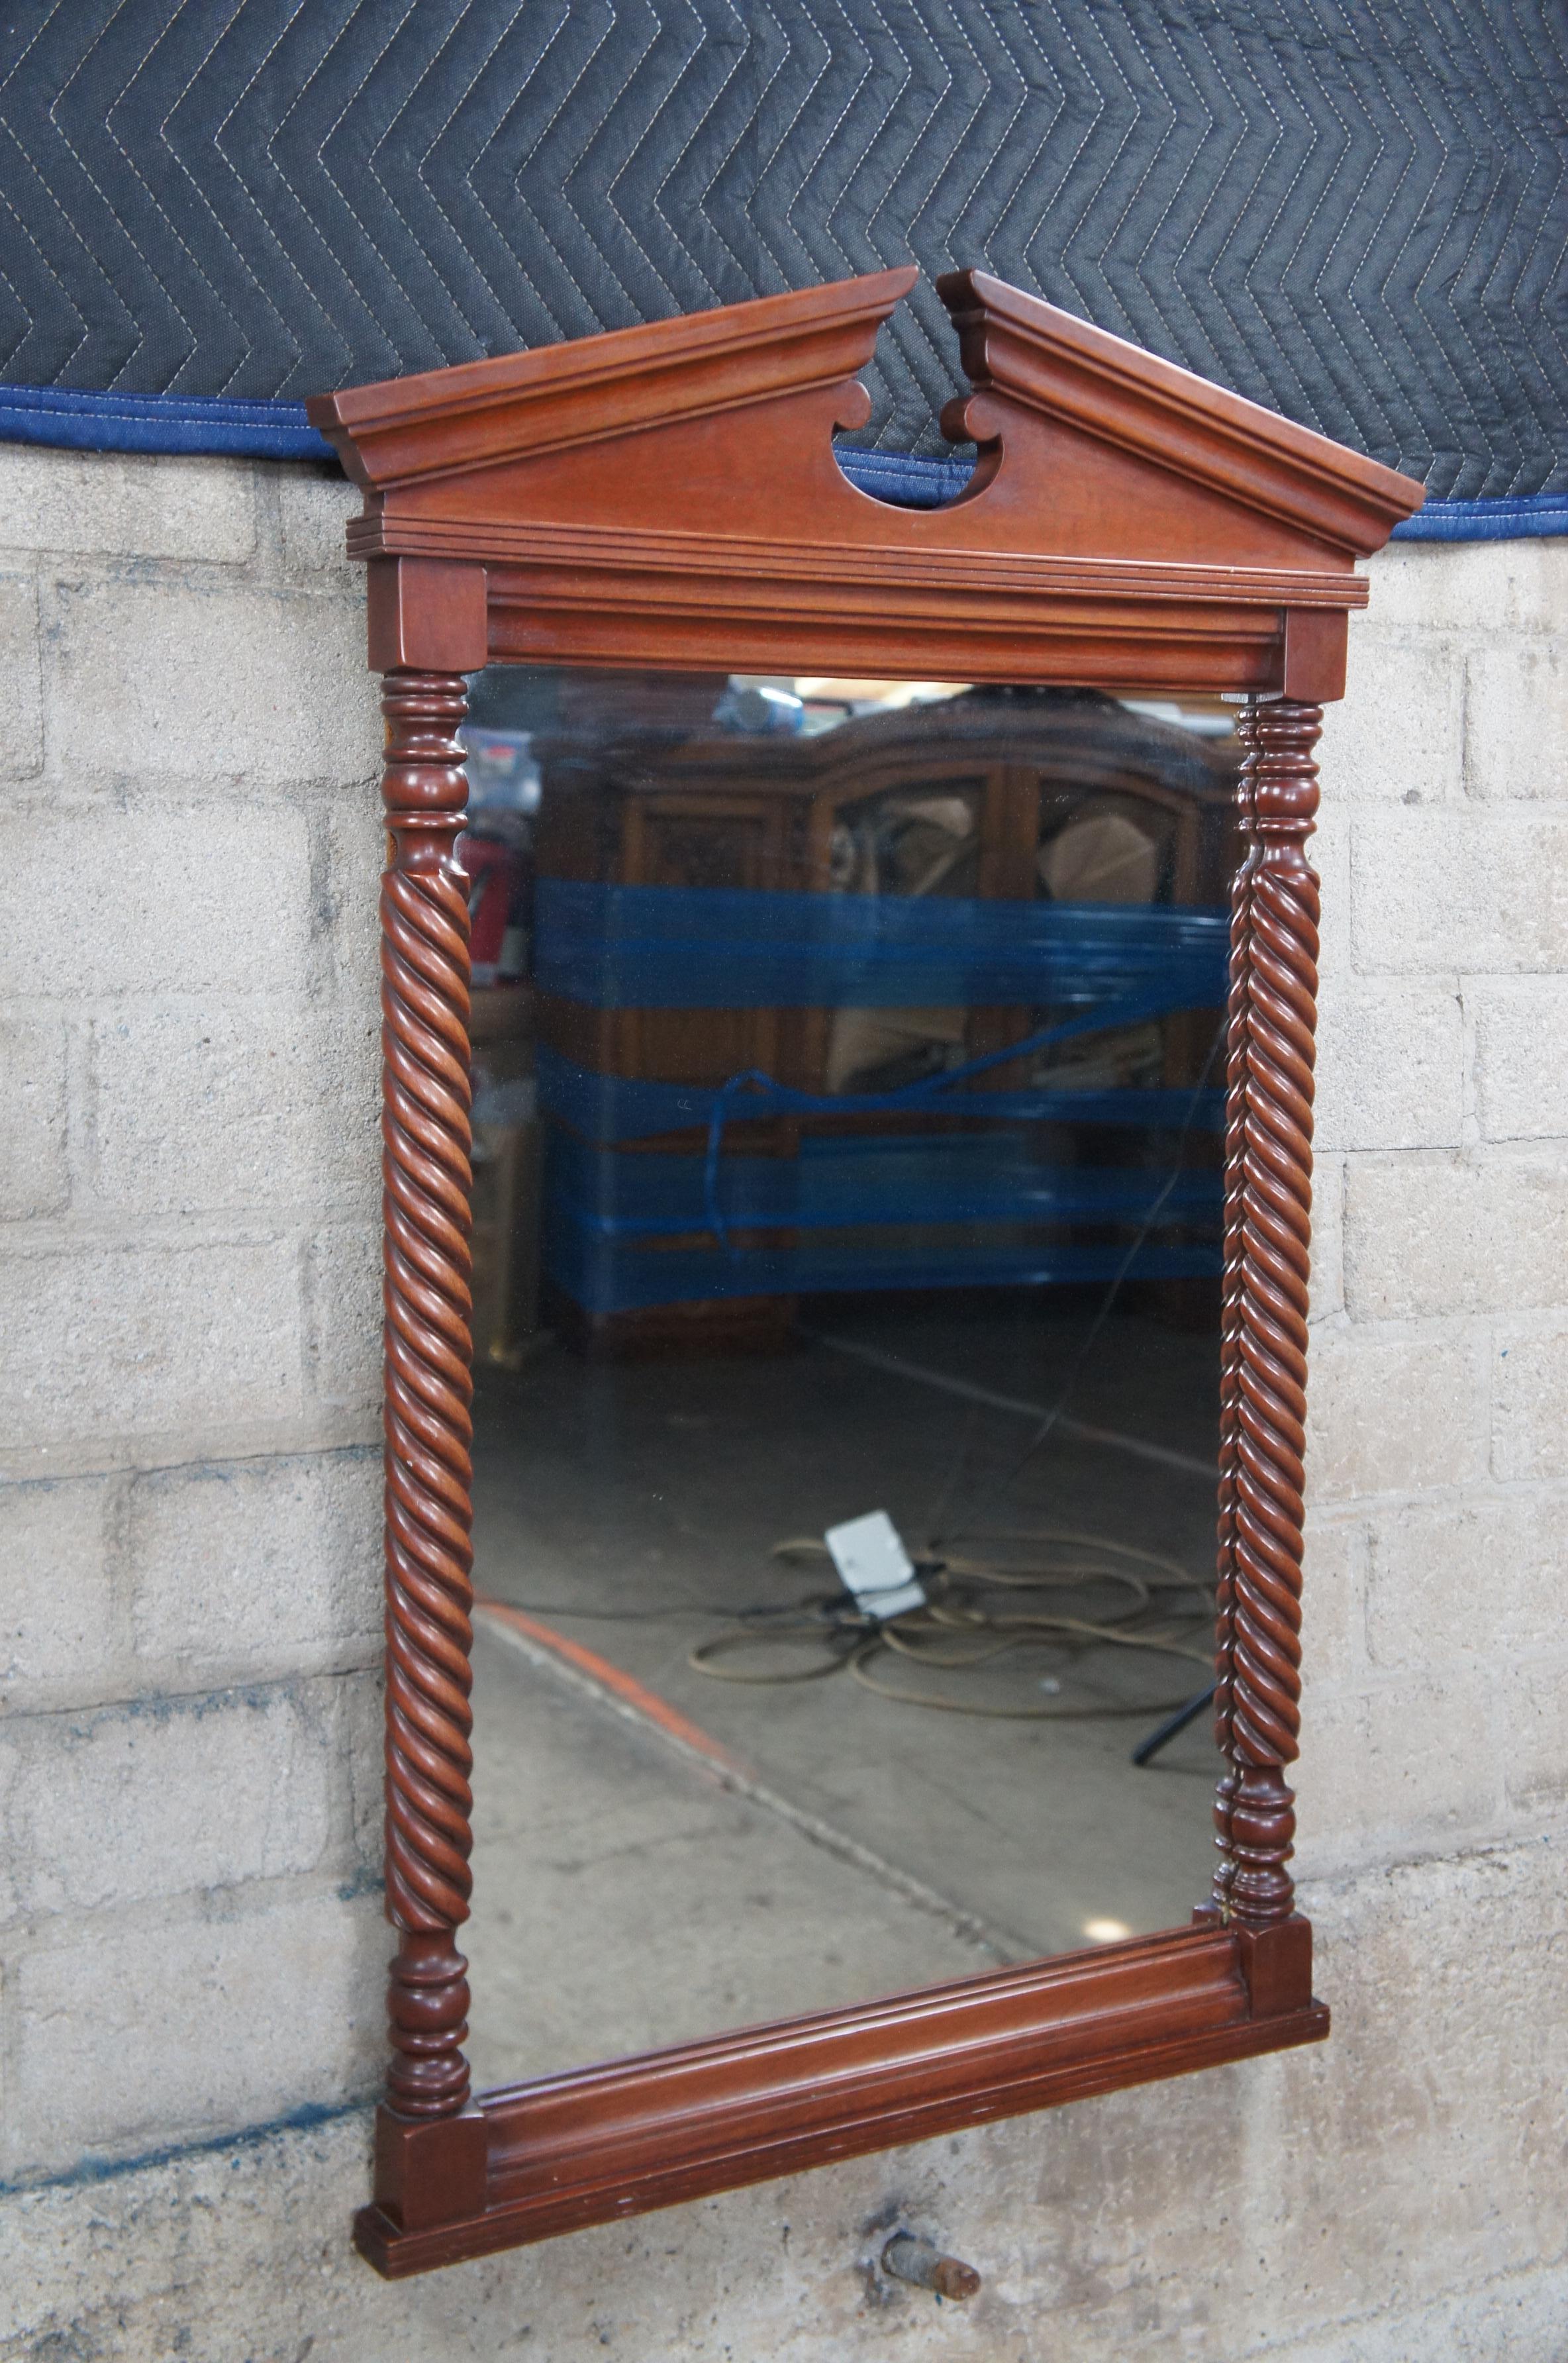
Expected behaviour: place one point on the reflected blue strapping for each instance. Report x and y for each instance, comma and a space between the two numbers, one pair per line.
1112, 965
781, 1099
612, 1110
744, 947
854, 1182
669, 1276
603, 1111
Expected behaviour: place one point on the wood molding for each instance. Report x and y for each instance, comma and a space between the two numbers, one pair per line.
635, 2135
702, 558
448, 421
1017, 346
627, 489
669, 496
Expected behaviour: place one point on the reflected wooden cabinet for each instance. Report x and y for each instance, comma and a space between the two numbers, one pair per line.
989, 795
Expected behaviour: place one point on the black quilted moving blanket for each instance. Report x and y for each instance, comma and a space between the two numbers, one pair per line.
1353, 210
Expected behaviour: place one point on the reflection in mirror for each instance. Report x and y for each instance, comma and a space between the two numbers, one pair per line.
848, 1105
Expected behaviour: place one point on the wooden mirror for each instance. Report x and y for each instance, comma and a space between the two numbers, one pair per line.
668, 501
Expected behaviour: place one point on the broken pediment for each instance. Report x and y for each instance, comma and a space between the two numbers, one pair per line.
717, 422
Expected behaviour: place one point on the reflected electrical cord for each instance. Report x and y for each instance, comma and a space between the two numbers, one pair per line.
958, 1629
1107, 1305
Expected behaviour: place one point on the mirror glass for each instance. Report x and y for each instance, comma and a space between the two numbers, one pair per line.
848, 1068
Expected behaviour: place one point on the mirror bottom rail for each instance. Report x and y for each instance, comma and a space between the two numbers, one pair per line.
596, 2145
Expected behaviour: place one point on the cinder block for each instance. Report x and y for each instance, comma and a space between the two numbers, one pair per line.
355, 855
1503, 586
1521, 1056
1515, 720
1442, 892
210, 680
128, 1341
21, 683
1328, 1277
1535, 1738
1333, 1583
1396, 737
185, 2024
256, 1567
1514, 2318
127, 504
1391, 1066
1420, 2137
267, 1104
1329, 850
1454, 1582
34, 1176
345, 1349
1392, 1408
165, 1796
1407, 1765
316, 508
162, 899
362, 1745
61, 1632
1427, 1234
1530, 1400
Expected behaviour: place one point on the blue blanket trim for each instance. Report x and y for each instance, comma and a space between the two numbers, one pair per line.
158, 422
278, 430
1517, 520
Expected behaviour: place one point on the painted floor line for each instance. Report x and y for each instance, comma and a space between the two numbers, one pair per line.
622, 1694
1162, 1455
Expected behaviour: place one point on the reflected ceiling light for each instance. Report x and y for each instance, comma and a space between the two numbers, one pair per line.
879, 693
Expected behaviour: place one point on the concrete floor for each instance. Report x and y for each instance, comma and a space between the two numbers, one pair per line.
628, 1891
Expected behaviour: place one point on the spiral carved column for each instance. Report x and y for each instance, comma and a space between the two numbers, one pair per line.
1269, 1400
427, 1183
1230, 1293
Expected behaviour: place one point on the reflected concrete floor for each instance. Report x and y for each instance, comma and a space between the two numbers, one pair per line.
629, 1892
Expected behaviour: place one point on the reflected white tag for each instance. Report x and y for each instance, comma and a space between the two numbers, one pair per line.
873, 1564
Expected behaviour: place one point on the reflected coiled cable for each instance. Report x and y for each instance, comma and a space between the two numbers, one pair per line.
961, 1626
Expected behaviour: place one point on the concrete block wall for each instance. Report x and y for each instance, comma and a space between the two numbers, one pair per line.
1440, 1341
189, 1938
189, 1631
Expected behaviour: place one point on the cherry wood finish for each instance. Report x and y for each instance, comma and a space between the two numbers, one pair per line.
606, 2142
426, 1217
1272, 1070
668, 497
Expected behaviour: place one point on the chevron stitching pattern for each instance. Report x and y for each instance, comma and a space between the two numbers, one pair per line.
1353, 212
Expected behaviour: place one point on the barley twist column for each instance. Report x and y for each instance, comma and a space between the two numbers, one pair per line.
1270, 1399
1230, 1291
425, 1204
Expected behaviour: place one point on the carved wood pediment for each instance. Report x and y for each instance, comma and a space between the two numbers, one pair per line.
720, 426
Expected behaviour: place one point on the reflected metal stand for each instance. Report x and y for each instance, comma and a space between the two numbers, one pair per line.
1147, 1749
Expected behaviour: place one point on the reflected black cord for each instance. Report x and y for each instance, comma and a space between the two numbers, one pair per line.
1113, 1288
